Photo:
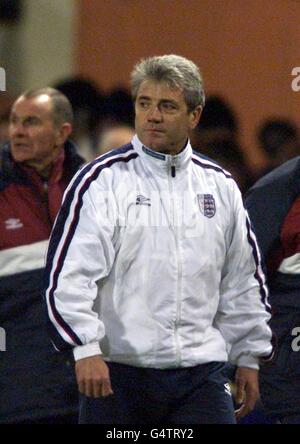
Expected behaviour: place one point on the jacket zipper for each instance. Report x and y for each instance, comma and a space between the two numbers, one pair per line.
43, 199
45, 202
179, 262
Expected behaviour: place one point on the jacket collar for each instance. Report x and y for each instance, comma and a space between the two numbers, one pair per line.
163, 162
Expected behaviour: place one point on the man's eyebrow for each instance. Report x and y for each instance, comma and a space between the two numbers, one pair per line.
168, 101
28, 116
160, 101
144, 97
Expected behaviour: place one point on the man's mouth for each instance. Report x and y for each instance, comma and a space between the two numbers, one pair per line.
21, 144
154, 130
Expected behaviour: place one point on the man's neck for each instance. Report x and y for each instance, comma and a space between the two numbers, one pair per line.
44, 168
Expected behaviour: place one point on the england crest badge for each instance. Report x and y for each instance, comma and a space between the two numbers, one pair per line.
207, 204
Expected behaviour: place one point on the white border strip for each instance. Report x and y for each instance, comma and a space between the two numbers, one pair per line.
24, 258
290, 265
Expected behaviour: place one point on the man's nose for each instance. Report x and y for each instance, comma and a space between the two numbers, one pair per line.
155, 114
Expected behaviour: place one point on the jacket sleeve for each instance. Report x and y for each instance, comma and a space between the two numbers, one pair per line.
81, 252
243, 311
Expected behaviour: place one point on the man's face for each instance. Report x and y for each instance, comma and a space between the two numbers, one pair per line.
33, 135
162, 119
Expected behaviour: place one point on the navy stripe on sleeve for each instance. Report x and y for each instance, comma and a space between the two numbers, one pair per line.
200, 161
256, 255
60, 227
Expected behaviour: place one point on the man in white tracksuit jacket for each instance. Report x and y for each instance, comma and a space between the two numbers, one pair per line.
153, 272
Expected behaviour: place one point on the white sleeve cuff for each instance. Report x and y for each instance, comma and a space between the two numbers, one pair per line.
84, 351
248, 361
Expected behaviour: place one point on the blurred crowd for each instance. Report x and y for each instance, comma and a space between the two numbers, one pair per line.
106, 121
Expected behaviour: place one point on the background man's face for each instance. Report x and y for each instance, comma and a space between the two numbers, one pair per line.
162, 120
32, 132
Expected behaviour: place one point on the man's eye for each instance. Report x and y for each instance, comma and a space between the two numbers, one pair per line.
144, 104
31, 121
168, 106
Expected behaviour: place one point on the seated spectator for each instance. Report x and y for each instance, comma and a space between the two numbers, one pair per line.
6, 102
37, 385
4, 122
118, 108
229, 156
279, 139
218, 122
216, 136
88, 106
114, 137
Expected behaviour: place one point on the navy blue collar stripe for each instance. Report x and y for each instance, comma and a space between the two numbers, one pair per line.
154, 153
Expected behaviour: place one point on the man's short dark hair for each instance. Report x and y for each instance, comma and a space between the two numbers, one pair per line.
274, 133
61, 106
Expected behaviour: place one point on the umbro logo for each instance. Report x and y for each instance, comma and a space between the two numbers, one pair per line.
142, 200
13, 224
227, 388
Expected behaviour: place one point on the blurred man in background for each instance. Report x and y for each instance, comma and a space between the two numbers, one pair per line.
36, 384
87, 102
6, 102
114, 136
279, 140
274, 207
217, 136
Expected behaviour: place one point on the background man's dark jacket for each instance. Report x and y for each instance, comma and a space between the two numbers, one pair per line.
274, 205
36, 383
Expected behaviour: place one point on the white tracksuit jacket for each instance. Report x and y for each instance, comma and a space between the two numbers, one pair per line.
152, 262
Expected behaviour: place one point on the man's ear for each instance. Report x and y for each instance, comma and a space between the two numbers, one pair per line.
63, 133
195, 116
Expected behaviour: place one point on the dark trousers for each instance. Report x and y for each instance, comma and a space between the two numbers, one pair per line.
290, 419
194, 395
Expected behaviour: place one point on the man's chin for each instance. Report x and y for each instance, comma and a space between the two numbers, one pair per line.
154, 144
20, 158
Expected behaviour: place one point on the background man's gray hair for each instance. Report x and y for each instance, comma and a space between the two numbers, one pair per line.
62, 111
177, 71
